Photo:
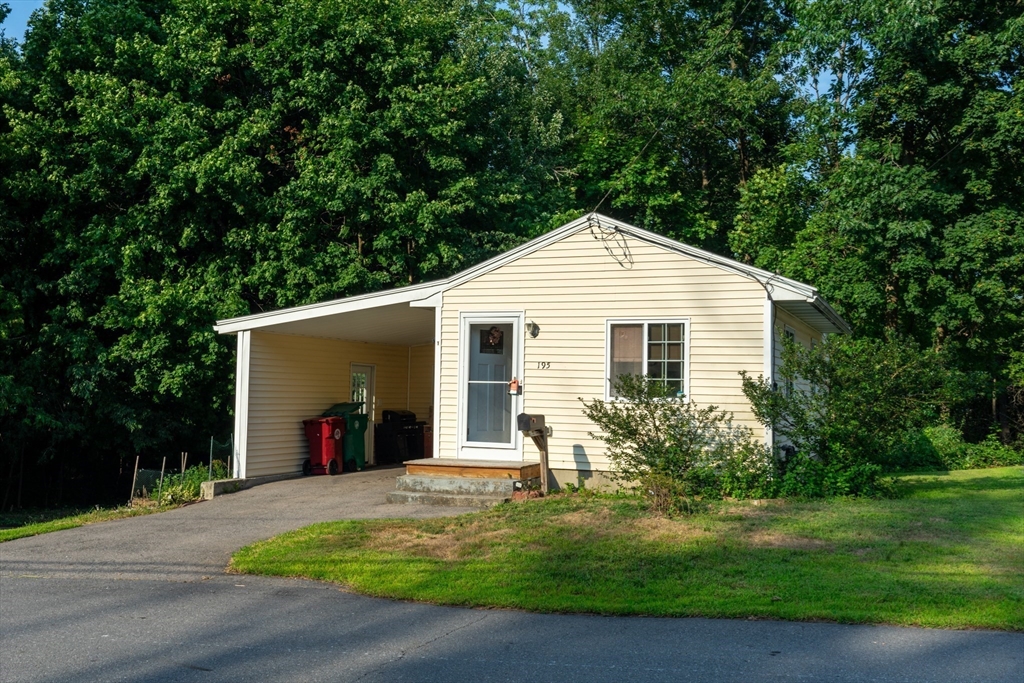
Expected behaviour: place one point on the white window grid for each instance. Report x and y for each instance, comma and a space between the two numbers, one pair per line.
646, 323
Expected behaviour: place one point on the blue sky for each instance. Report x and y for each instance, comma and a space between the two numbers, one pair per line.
17, 20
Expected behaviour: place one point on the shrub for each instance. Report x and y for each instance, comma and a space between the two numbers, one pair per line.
808, 477
184, 487
953, 453
674, 448
848, 407
666, 496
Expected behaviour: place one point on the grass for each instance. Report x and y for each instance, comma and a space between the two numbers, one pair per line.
949, 554
32, 523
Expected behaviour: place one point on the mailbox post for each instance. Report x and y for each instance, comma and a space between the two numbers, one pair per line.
533, 426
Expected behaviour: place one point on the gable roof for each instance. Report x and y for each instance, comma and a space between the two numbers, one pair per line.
801, 299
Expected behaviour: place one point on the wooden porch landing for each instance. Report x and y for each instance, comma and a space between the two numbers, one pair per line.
474, 469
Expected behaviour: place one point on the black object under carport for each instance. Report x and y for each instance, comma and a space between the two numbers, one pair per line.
398, 438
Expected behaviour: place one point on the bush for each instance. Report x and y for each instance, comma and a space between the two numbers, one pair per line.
184, 487
672, 448
943, 447
847, 409
808, 477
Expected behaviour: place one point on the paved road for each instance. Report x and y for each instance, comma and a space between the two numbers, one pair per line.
146, 599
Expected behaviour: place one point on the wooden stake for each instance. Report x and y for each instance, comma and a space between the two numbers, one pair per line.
131, 496
544, 464
160, 492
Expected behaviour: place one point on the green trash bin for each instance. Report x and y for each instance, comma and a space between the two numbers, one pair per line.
353, 444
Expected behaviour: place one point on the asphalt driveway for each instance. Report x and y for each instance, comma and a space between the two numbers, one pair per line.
147, 599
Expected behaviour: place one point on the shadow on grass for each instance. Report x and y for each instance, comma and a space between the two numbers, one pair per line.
946, 561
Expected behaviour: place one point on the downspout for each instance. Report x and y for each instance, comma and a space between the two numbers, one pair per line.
769, 317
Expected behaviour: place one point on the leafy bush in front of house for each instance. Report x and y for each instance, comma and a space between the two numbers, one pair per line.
183, 487
675, 450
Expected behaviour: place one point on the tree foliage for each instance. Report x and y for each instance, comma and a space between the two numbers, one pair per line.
170, 162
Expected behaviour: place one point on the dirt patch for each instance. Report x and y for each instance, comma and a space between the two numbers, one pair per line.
667, 530
583, 517
775, 539
448, 545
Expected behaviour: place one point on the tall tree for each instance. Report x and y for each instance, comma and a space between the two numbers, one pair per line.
902, 199
192, 159
673, 106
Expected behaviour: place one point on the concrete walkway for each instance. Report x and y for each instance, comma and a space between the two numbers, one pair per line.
146, 599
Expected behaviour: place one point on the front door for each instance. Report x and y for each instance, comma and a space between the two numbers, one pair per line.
362, 391
490, 353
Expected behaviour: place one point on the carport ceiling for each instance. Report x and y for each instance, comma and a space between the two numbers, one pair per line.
398, 324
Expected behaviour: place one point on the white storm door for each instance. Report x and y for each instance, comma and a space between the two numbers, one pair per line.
490, 357
362, 391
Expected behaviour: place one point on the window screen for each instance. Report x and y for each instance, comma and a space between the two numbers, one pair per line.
627, 352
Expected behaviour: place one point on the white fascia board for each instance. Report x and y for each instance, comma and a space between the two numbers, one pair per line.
762, 276
781, 288
326, 308
822, 307
432, 301
771, 280
427, 295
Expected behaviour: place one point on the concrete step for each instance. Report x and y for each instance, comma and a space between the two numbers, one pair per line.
448, 499
455, 485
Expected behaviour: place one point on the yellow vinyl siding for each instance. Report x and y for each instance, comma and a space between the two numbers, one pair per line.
802, 334
569, 289
292, 378
421, 380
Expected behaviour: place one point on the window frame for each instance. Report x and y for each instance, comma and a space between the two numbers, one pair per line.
645, 322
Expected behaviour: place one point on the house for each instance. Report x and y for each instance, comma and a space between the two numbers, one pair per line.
562, 314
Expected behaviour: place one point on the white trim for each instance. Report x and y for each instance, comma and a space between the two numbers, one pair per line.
369, 457
684, 321
478, 450
423, 295
389, 297
769, 356
242, 365
438, 309
432, 301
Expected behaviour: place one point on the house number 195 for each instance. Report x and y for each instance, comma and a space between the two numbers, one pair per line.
543, 365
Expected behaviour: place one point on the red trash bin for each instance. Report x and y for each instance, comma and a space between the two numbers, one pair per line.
324, 435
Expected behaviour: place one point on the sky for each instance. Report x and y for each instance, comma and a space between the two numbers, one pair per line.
17, 20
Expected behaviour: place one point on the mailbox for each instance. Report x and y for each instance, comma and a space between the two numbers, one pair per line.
529, 423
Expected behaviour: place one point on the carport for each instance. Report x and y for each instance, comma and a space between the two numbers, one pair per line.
293, 364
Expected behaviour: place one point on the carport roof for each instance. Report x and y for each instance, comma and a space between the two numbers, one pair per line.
800, 299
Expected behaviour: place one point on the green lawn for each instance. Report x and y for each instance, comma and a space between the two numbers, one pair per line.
21, 524
949, 554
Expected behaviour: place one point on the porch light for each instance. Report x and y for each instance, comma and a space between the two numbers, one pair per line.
533, 329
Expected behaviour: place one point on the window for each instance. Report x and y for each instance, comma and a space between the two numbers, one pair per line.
653, 348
